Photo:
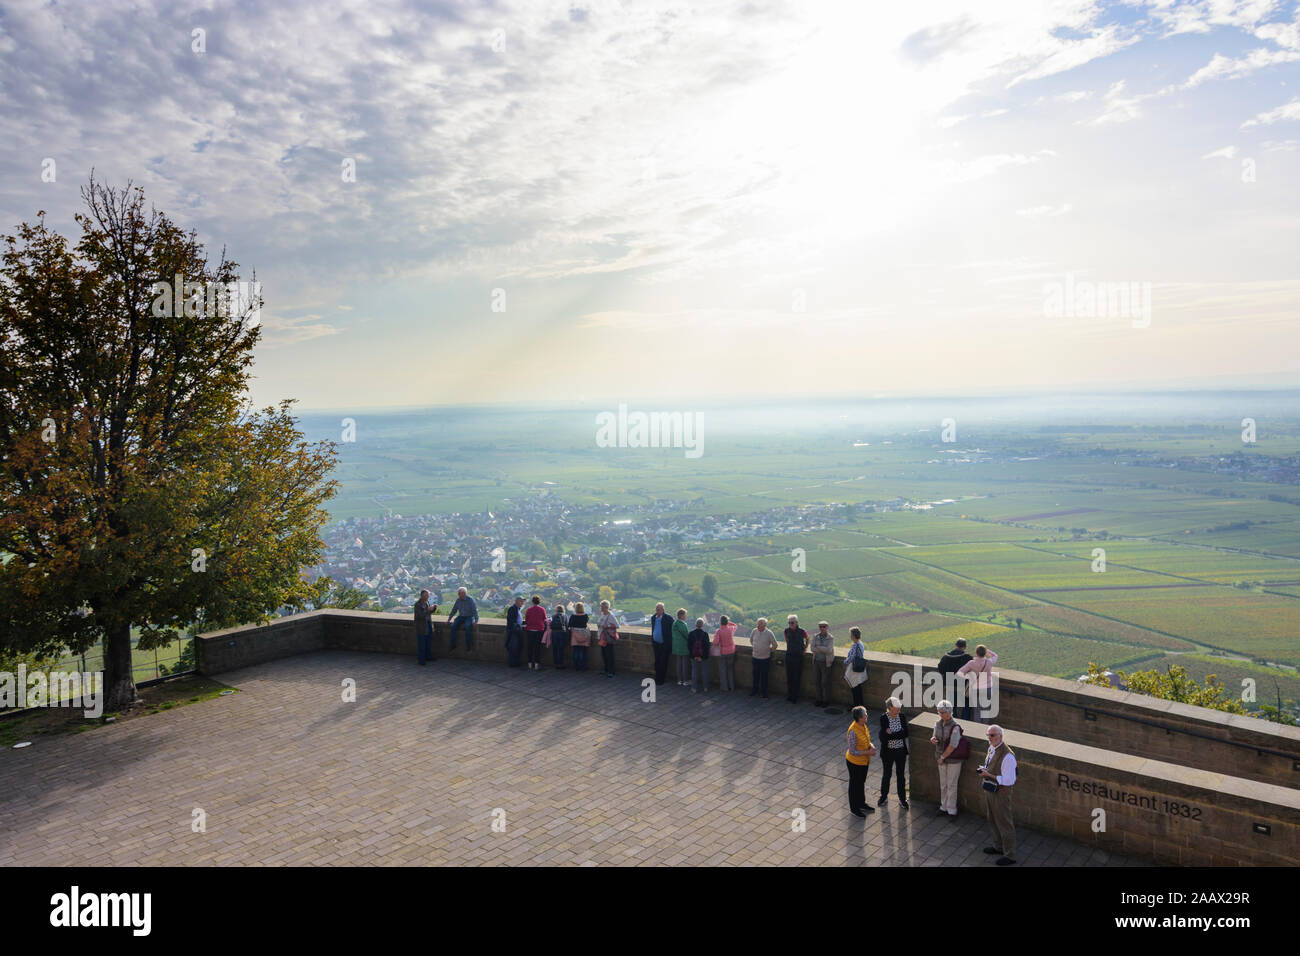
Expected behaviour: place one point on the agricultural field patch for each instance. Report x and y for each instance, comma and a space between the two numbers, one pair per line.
1071, 621
1257, 625
1022, 569
1187, 562
928, 588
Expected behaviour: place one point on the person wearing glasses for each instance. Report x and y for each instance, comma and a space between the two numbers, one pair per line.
998, 777
893, 731
947, 739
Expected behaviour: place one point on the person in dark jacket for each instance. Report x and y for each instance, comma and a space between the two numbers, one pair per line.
697, 644
796, 643
949, 664
559, 636
514, 632
579, 636
893, 747
424, 612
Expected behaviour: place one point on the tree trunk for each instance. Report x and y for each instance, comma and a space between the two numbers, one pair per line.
119, 676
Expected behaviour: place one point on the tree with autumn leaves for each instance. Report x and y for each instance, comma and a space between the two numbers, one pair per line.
138, 489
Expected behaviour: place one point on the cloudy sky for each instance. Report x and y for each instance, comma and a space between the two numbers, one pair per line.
646, 201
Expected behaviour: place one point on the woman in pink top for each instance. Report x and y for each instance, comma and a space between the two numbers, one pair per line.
724, 650
981, 665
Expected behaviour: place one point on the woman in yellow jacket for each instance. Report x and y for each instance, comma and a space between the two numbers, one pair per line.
858, 757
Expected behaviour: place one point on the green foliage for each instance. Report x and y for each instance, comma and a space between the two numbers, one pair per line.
136, 488
1270, 712
325, 592
1174, 684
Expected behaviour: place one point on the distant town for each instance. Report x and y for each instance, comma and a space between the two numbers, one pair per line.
530, 549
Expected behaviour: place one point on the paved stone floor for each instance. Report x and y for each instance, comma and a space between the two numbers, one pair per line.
413, 771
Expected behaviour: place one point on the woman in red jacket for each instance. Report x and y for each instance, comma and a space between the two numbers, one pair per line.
534, 628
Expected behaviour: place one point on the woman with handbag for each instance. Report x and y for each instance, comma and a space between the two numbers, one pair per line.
534, 627
559, 632
580, 635
855, 666
608, 629
950, 749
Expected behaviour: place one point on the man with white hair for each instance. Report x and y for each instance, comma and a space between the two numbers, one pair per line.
762, 644
465, 611
947, 738
661, 641
998, 776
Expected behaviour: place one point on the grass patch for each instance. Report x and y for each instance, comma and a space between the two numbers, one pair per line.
53, 721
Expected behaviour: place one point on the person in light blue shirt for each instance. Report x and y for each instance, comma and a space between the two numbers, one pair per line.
465, 612
661, 630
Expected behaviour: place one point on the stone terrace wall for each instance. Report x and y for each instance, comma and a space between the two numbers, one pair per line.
1099, 717
1162, 811
1179, 784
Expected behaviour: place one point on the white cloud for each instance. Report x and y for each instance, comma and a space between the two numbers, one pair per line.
1201, 16
1036, 212
1287, 111
1222, 67
1070, 54
1228, 152
1117, 108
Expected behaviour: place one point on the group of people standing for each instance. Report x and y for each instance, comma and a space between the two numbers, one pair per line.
673, 637
951, 749
532, 629
975, 670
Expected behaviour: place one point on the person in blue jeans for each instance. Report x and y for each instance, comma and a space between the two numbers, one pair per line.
514, 632
579, 636
559, 636
465, 612
661, 639
424, 612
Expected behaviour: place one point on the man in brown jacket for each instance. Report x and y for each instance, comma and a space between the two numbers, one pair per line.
998, 776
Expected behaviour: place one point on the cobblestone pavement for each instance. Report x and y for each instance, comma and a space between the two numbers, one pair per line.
576, 766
